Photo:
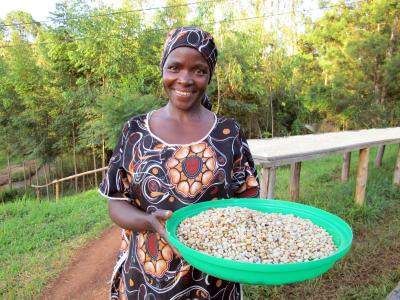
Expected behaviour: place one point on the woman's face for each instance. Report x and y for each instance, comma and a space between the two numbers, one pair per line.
185, 77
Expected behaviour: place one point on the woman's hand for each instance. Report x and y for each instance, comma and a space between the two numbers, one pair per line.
126, 216
157, 221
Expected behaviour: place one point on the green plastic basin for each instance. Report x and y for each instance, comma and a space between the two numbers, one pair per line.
258, 273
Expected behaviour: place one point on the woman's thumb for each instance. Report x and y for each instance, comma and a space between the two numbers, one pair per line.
162, 214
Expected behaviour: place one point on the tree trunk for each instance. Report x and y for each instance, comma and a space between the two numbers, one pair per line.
377, 77
30, 175
61, 175
392, 48
74, 158
46, 179
272, 112
37, 180
94, 165
103, 156
25, 183
376, 83
9, 171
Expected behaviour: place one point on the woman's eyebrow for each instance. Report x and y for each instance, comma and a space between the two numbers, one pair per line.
175, 62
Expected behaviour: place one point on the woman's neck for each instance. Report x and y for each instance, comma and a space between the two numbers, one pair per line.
194, 114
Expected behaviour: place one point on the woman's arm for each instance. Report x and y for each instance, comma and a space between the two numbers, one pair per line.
127, 216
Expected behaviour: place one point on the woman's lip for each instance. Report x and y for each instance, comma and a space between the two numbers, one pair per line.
183, 93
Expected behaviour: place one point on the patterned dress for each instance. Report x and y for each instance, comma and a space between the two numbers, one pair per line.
152, 174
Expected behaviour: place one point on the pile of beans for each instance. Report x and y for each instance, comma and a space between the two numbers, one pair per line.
248, 235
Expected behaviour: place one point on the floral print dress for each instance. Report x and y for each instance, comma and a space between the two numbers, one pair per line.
152, 174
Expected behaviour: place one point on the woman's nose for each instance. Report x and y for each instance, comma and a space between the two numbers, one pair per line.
185, 78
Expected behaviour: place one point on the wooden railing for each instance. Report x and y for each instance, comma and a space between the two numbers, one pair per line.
272, 153
58, 181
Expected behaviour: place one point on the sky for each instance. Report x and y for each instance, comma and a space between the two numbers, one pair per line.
39, 9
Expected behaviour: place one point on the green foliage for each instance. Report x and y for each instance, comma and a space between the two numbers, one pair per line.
9, 195
38, 238
71, 85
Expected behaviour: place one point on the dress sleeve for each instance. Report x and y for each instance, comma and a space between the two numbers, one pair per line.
115, 184
244, 177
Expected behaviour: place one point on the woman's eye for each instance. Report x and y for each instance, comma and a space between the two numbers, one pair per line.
201, 72
172, 68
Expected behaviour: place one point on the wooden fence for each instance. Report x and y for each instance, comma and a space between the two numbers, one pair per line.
272, 153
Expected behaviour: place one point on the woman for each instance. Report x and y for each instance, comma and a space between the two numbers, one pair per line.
169, 158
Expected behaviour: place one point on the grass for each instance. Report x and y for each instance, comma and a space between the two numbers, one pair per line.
37, 239
372, 267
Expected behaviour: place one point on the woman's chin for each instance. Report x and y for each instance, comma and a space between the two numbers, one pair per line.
184, 104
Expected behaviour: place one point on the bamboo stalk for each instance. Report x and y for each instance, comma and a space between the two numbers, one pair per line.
9, 171
74, 158
71, 177
37, 180
25, 183
103, 157
61, 175
45, 178
94, 165
30, 175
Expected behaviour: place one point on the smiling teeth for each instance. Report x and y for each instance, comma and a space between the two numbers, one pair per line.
180, 93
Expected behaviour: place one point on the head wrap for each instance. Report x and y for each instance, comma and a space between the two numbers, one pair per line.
195, 38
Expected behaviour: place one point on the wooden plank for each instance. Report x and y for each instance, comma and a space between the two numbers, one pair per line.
294, 187
267, 184
346, 166
271, 183
396, 177
362, 176
280, 160
379, 155
264, 181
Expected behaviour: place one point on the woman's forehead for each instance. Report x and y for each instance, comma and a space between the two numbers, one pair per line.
186, 55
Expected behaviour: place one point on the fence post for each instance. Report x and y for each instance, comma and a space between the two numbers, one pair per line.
346, 166
57, 191
362, 176
294, 187
379, 155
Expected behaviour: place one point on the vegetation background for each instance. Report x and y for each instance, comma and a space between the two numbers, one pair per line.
68, 85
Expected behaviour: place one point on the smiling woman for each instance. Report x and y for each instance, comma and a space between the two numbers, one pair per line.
176, 156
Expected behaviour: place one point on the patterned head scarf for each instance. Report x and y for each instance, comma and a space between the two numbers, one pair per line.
195, 38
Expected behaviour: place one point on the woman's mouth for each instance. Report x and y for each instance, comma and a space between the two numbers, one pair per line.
182, 93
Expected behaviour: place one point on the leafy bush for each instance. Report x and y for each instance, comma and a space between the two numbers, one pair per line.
8, 194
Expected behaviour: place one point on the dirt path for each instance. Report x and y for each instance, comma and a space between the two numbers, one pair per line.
87, 275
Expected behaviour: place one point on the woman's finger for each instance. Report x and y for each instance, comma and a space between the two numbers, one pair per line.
162, 214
